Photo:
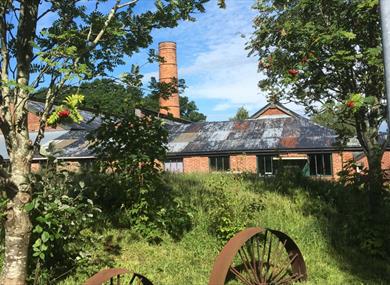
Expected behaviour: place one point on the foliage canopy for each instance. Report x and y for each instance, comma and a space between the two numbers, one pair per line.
327, 55
241, 114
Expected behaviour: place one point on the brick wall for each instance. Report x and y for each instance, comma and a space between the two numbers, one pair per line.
196, 164
273, 111
339, 160
386, 160
33, 124
242, 162
73, 166
35, 167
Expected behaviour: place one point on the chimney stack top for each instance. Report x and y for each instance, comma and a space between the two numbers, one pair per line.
168, 74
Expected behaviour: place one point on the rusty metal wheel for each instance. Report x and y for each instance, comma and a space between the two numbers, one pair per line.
115, 276
257, 256
139, 279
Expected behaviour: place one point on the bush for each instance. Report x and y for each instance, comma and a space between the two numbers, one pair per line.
61, 216
151, 210
126, 181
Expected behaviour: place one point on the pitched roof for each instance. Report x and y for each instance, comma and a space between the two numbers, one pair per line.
274, 110
70, 141
264, 133
255, 135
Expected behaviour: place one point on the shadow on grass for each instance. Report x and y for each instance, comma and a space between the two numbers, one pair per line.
360, 239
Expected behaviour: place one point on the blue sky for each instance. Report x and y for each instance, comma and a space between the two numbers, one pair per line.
212, 58
213, 61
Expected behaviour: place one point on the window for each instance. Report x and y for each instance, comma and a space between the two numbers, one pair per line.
174, 165
320, 164
219, 163
266, 165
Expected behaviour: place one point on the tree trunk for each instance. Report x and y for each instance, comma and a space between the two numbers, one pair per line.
17, 226
375, 180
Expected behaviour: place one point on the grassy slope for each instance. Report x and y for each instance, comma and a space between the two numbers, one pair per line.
305, 217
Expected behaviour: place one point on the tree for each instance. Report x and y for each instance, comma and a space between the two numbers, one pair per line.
328, 54
84, 41
108, 96
102, 95
188, 108
242, 114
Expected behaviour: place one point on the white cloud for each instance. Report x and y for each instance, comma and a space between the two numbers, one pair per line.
222, 107
148, 76
213, 60
225, 73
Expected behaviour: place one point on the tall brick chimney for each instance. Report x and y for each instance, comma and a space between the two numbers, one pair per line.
168, 72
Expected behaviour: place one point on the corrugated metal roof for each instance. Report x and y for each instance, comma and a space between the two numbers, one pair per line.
71, 142
263, 134
274, 133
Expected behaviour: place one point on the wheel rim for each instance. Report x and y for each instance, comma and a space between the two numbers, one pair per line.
259, 256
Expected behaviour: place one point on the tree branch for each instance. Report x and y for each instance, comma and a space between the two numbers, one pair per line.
110, 17
49, 102
45, 13
127, 4
5, 90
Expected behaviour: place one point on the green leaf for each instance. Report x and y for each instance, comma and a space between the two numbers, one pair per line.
45, 237
37, 243
37, 229
29, 206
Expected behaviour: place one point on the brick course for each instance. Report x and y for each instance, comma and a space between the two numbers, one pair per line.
167, 73
272, 112
196, 164
243, 163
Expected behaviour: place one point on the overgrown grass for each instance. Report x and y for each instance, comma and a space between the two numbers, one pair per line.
323, 218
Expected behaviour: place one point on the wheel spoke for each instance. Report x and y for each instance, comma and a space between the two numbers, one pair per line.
240, 276
261, 261
289, 279
284, 267
245, 262
254, 266
248, 254
269, 254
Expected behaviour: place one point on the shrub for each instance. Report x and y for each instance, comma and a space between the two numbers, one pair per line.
151, 210
126, 181
61, 216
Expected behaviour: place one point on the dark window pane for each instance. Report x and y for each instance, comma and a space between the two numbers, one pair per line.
260, 164
219, 163
213, 163
328, 164
320, 164
268, 164
226, 163
312, 162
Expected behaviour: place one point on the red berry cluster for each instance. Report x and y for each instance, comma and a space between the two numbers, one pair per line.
350, 104
293, 72
64, 113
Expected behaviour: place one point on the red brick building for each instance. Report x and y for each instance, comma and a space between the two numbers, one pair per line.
272, 139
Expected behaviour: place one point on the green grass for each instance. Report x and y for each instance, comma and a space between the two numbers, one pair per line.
312, 214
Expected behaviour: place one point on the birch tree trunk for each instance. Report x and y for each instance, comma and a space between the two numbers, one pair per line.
17, 226
14, 127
